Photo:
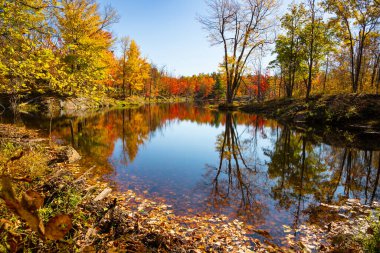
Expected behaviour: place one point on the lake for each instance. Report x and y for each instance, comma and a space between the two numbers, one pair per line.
203, 161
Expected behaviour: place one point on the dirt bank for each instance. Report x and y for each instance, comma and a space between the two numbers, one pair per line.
346, 110
350, 119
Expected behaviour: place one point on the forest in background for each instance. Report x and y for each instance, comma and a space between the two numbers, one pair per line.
66, 47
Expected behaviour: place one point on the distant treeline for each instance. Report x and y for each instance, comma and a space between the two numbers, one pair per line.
66, 47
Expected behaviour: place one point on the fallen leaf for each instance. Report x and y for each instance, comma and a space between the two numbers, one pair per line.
32, 200
57, 227
8, 195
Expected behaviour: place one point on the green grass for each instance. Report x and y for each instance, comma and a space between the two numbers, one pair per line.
370, 239
371, 242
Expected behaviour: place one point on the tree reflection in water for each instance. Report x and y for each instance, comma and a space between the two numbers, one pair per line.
258, 170
297, 171
306, 172
234, 179
353, 174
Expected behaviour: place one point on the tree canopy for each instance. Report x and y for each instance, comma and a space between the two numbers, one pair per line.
67, 47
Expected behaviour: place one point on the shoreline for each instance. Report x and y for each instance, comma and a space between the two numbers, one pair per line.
350, 120
53, 104
101, 219
124, 220
346, 111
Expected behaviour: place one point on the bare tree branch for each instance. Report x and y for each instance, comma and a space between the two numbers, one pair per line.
240, 26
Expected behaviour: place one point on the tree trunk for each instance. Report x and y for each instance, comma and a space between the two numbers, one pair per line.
378, 81
229, 98
311, 50
326, 72
375, 68
358, 61
289, 84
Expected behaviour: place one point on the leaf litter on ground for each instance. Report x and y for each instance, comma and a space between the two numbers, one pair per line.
59, 209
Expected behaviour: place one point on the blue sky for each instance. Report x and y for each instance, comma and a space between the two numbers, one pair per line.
168, 33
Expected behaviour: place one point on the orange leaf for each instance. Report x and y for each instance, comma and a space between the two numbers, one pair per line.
57, 227
32, 200
8, 195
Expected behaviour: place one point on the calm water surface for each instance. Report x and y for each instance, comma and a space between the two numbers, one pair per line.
236, 164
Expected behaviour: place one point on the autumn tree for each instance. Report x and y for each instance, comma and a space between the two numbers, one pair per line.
84, 43
217, 89
205, 86
375, 74
240, 27
290, 47
257, 84
318, 37
112, 71
358, 19
26, 60
311, 40
154, 81
136, 68
124, 42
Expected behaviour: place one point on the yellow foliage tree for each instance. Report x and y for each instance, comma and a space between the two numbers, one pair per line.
136, 69
25, 60
85, 44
